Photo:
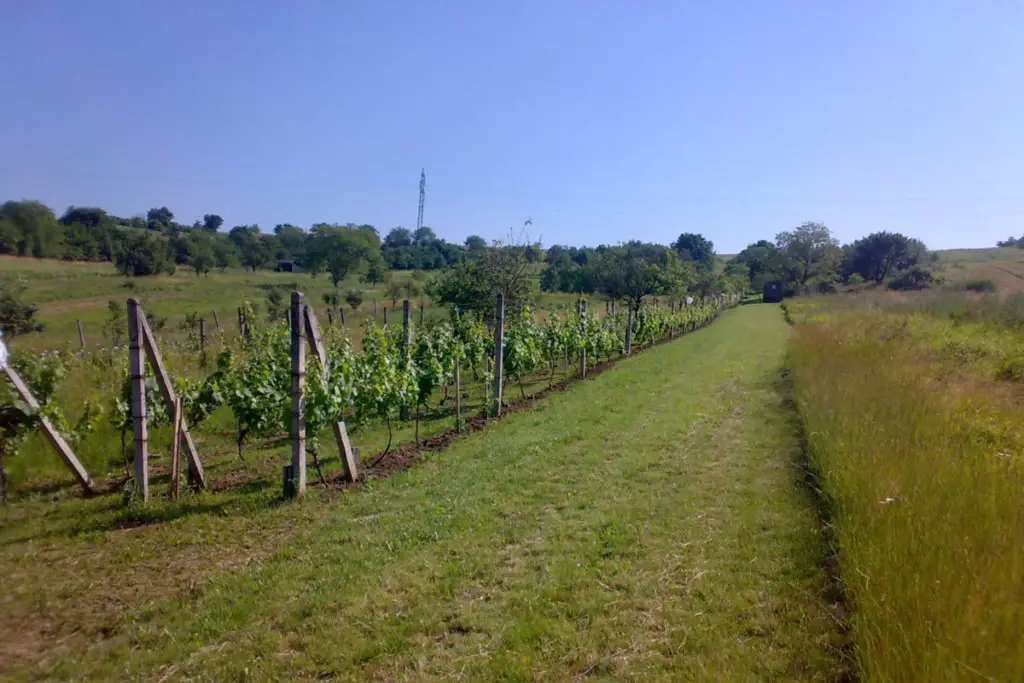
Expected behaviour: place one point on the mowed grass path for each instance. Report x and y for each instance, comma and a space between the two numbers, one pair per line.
647, 524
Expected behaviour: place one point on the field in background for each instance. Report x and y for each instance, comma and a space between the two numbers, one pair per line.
910, 404
1002, 265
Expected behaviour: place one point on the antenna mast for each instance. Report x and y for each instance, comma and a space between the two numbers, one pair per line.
423, 197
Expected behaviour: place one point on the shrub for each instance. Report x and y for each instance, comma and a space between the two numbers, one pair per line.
912, 279
354, 298
980, 286
17, 316
143, 253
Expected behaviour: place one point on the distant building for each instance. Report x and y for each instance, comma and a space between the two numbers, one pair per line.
773, 292
288, 267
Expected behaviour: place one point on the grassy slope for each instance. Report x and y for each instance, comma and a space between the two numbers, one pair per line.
645, 524
1004, 266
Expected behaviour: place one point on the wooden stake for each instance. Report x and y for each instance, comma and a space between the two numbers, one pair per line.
51, 433
458, 396
216, 321
629, 330
196, 475
298, 432
345, 452
342, 312
406, 343
330, 318
179, 409
138, 382
385, 316
583, 349
202, 342
81, 334
499, 348
421, 312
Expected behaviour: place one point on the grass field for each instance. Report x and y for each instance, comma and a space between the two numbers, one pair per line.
647, 524
1003, 266
913, 421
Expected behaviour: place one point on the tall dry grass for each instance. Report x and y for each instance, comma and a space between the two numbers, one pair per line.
924, 473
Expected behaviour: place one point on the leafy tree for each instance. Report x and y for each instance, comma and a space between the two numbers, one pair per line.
697, 249
398, 237
374, 272
142, 253
340, 249
91, 217
393, 291
160, 219
202, 259
637, 270
881, 253
764, 262
423, 237
212, 222
252, 249
225, 254
915, 277
17, 316
812, 249
292, 241
29, 228
354, 298
476, 243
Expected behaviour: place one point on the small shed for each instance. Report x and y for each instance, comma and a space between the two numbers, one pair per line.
773, 292
288, 267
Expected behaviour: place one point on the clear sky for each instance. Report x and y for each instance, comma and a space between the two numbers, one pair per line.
602, 121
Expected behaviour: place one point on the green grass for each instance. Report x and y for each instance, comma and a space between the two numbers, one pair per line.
647, 524
919, 450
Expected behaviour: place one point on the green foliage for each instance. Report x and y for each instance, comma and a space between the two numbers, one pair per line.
876, 256
812, 250
17, 316
914, 278
696, 249
980, 286
354, 298
341, 249
143, 253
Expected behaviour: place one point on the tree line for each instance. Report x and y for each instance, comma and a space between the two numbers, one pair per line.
807, 258
157, 243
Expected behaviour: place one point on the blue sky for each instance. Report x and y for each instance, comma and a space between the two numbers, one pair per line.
602, 121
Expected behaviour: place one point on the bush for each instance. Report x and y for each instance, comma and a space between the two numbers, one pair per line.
17, 316
354, 298
143, 253
912, 279
980, 286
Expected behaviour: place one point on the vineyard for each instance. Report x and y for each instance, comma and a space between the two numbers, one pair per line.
441, 372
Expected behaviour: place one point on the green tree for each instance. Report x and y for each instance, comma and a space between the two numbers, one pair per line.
212, 222
29, 228
398, 237
637, 270
17, 316
881, 253
354, 298
375, 272
160, 219
813, 250
697, 249
423, 237
225, 254
764, 262
88, 216
476, 243
341, 249
142, 253
292, 242
393, 291
202, 259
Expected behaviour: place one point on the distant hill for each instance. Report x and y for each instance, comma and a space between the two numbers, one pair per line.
1002, 265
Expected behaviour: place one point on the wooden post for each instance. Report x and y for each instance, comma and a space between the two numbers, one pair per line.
216, 321
375, 306
179, 408
241, 324
345, 451
330, 317
385, 315
81, 334
629, 330
406, 343
298, 464
421, 312
51, 433
196, 475
499, 348
582, 306
138, 381
342, 312
458, 396
202, 342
